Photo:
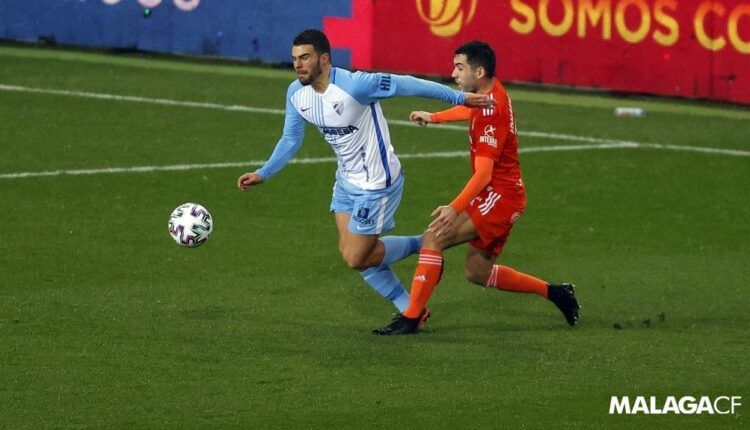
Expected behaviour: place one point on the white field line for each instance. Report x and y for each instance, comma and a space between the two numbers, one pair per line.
594, 142
136, 99
258, 163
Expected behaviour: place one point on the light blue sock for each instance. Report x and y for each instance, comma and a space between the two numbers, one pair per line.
399, 247
386, 283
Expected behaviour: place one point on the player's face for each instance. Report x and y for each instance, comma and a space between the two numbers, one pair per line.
306, 63
464, 75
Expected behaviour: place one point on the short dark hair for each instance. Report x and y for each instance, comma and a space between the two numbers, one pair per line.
316, 38
479, 54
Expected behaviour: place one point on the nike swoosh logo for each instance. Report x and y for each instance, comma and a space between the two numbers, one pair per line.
306, 109
360, 228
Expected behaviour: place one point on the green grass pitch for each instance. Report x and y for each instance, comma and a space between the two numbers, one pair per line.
106, 323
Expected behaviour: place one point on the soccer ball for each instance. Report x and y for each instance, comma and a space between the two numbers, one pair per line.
190, 225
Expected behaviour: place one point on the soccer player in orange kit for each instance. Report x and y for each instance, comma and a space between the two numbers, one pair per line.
490, 203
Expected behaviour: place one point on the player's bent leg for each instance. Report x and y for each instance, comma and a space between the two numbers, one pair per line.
481, 270
386, 250
396, 248
429, 270
463, 231
358, 251
354, 249
427, 275
362, 217
479, 264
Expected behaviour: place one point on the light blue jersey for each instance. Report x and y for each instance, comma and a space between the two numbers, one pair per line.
349, 116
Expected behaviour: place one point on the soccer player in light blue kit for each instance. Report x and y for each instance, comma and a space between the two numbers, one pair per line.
345, 107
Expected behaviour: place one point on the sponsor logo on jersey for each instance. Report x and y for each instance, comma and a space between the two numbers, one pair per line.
489, 136
338, 131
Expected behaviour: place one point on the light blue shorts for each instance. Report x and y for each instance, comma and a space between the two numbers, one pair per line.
371, 212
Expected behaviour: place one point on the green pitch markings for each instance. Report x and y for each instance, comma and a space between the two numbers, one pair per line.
319, 160
595, 143
197, 65
155, 63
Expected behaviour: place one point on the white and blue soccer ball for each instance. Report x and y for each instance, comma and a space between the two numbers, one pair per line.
190, 225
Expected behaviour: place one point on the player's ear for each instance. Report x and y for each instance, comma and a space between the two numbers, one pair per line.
325, 58
480, 72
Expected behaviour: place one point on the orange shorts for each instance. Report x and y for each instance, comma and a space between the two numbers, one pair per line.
493, 212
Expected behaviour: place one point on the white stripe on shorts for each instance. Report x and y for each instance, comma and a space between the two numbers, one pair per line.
381, 215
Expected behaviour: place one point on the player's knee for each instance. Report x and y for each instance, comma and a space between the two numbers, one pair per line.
431, 241
355, 260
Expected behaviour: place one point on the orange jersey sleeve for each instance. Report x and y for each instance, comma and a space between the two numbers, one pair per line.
482, 176
456, 113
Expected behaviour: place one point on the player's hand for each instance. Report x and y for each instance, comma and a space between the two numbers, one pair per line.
479, 100
443, 224
248, 180
420, 117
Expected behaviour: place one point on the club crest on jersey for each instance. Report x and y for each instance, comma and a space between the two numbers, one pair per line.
489, 136
338, 106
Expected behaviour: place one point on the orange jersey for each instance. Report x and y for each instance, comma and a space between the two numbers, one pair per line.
492, 134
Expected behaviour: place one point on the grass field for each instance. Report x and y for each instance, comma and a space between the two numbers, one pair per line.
105, 322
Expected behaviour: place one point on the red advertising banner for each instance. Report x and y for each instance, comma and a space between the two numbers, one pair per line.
697, 48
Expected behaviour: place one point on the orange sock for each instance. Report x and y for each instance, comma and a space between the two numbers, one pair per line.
426, 278
507, 279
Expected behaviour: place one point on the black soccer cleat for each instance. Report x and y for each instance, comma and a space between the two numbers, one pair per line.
564, 297
403, 325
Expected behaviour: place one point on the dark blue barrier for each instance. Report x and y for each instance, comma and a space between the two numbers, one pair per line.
246, 29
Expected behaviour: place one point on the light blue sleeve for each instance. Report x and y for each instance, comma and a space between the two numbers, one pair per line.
290, 142
372, 87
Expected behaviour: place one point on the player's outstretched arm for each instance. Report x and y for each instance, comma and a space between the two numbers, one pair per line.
286, 148
456, 113
371, 87
405, 85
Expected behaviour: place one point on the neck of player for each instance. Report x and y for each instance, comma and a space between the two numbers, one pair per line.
484, 86
320, 84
